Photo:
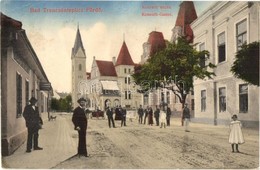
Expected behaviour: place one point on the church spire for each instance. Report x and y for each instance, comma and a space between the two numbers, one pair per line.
78, 43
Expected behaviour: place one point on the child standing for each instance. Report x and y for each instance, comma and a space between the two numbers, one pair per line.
162, 117
236, 136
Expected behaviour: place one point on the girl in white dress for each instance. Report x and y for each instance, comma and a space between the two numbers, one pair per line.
163, 117
236, 135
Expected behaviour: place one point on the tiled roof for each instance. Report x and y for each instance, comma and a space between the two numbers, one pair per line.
187, 14
124, 57
78, 43
10, 22
106, 68
157, 42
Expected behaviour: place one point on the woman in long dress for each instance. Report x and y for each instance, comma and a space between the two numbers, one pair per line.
236, 135
150, 116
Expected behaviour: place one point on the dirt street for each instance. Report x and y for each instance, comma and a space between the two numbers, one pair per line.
150, 147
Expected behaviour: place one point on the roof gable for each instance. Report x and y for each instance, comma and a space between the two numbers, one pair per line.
124, 57
106, 68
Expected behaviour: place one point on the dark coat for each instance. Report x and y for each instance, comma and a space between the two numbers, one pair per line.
157, 113
109, 112
186, 113
140, 111
32, 117
79, 118
168, 113
123, 113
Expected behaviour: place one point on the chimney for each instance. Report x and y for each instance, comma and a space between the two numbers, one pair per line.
114, 60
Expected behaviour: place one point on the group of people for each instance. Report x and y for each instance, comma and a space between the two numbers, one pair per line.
162, 114
120, 115
80, 120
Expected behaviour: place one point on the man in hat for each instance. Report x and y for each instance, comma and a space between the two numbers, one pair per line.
140, 114
186, 117
33, 123
80, 121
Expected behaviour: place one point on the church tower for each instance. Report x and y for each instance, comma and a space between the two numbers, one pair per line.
78, 60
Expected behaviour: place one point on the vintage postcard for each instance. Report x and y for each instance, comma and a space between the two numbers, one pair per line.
130, 84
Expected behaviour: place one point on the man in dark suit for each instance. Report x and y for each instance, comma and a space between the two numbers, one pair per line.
109, 113
140, 114
33, 123
157, 115
80, 121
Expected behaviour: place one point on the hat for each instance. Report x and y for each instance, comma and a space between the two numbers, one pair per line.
81, 99
33, 99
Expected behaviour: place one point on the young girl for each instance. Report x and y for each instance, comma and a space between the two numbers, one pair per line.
236, 136
163, 117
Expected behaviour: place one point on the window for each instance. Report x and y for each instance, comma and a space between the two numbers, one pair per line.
125, 70
241, 33
202, 59
80, 67
146, 99
222, 99
243, 98
27, 92
168, 97
129, 95
127, 80
125, 94
18, 95
129, 70
162, 97
221, 47
203, 100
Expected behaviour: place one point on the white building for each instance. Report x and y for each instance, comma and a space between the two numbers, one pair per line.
221, 30
110, 82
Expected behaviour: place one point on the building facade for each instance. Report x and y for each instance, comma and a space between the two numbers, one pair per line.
221, 30
111, 84
156, 42
22, 77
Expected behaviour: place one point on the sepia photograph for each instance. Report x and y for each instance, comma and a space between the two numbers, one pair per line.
129, 84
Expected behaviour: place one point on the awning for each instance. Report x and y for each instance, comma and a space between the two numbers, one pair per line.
109, 85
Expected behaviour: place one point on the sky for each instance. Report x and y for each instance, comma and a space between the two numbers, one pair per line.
52, 34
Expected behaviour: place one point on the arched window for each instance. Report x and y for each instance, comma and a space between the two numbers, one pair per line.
80, 67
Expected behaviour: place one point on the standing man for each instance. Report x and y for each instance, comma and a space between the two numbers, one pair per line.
80, 121
168, 115
186, 117
109, 113
140, 114
123, 114
33, 123
157, 115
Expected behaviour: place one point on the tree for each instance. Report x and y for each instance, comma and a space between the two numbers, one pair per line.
173, 68
246, 64
63, 104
